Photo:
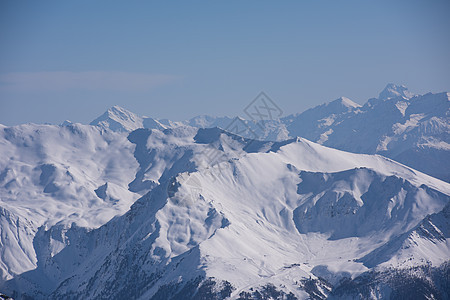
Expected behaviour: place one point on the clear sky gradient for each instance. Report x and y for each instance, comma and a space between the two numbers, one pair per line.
171, 59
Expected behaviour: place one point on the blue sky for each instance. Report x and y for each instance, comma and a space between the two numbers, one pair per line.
74, 59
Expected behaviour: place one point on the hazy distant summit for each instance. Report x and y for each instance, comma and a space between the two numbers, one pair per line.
117, 118
393, 91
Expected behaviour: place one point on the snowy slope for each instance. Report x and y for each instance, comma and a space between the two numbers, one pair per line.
52, 174
290, 218
413, 130
428, 242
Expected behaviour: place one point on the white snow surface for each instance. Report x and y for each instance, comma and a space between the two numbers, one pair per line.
265, 212
48, 176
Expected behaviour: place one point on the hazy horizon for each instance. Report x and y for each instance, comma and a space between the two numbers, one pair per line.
73, 61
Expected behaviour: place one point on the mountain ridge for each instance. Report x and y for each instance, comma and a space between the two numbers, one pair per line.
411, 129
180, 224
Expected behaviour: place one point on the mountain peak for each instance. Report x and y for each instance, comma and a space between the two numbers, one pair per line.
118, 118
341, 104
393, 91
66, 123
119, 111
347, 102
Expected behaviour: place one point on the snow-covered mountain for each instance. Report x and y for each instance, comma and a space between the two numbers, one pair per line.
145, 208
56, 175
414, 130
411, 129
119, 119
218, 216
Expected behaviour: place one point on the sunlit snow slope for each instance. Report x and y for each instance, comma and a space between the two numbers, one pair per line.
287, 220
58, 175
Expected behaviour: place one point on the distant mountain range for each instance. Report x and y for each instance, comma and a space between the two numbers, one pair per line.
411, 129
139, 208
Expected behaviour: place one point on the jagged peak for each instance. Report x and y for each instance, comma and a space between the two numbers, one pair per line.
394, 91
